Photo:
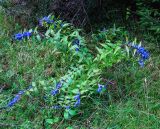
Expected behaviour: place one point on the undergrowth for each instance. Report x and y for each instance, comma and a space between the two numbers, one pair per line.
64, 79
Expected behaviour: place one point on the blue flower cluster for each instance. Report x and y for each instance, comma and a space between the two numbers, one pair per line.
76, 43
46, 19
100, 88
21, 36
78, 100
56, 91
144, 54
17, 97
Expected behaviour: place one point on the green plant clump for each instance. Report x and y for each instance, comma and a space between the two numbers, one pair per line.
54, 69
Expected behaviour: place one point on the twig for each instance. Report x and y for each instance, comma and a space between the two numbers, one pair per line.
87, 16
2, 89
60, 124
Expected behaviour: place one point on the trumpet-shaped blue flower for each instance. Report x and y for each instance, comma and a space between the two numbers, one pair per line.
77, 103
78, 100
58, 85
16, 98
45, 19
18, 36
100, 88
77, 97
76, 42
27, 34
54, 92
77, 49
144, 54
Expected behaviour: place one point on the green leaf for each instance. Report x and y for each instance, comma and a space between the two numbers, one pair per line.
33, 84
72, 112
66, 115
57, 35
56, 119
38, 37
75, 91
66, 24
116, 50
47, 33
50, 121
42, 83
10, 73
127, 49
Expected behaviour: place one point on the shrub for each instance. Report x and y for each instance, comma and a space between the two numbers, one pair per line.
79, 72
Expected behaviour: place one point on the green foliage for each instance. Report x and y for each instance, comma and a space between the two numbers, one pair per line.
81, 70
50, 57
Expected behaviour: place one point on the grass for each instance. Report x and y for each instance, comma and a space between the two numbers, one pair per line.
131, 102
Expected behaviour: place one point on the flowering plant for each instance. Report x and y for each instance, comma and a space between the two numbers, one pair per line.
82, 66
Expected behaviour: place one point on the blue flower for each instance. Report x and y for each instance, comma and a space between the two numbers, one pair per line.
78, 100
14, 100
144, 54
58, 85
18, 36
100, 88
54, 92
76, 42
77, 103
77, 97
45, 19
40, 23
27, 34
17, 97
77, 49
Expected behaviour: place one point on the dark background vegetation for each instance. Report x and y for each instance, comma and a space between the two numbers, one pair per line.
89, 13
